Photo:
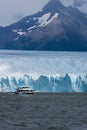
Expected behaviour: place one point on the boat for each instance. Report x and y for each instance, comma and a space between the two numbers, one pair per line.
24, 90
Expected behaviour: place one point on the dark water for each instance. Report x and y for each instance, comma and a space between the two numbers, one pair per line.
43, 111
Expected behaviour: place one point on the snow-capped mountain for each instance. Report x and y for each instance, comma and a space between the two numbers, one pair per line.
57, 26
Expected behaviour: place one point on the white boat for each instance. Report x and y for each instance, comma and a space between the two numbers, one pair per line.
24, 90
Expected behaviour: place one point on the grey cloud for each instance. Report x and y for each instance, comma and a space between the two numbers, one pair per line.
12, 10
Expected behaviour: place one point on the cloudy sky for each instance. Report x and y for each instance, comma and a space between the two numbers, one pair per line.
13, 10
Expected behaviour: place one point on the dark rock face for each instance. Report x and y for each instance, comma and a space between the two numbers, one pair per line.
56, 27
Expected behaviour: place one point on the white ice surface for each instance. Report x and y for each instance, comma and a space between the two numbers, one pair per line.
17, 63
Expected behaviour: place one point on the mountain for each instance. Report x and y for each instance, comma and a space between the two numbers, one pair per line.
56, 27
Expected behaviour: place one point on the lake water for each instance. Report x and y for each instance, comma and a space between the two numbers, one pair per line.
43, 111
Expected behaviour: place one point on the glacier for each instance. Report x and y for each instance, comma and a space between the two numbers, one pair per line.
45, 83
43, 71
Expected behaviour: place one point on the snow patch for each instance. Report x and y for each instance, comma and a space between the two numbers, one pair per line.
35, 18
30, 31
14, 30
31, 28
44, 19
53, 17
21, 33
